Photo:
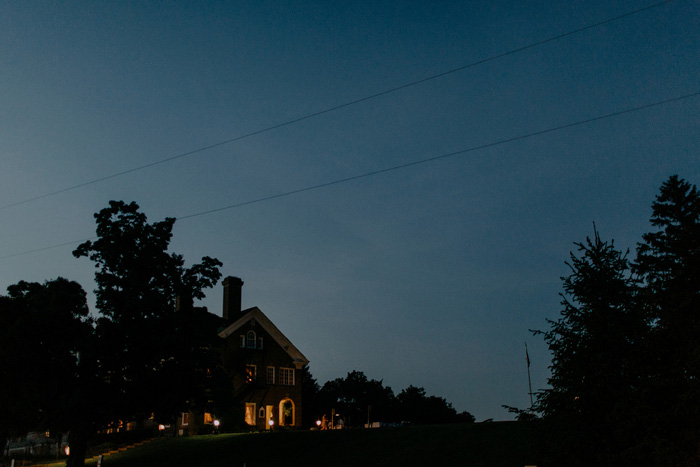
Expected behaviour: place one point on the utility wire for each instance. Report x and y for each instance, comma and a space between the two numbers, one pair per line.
340, 106
36, 250
408, 164
442, 156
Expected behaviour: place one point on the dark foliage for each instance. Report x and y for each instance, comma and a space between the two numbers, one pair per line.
156, 350
45, 343
668, 260
594, 368
624, 385
309, 394
416, 407
360, 400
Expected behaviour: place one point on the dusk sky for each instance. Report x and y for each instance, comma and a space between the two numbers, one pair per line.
430, 274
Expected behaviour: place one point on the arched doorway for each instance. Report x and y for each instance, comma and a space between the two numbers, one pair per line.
286, 412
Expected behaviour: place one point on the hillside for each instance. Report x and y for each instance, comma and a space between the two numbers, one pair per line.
488, 444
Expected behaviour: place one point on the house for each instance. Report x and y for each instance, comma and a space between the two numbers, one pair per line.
264, 364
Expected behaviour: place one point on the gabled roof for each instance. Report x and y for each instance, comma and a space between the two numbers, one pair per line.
255, 313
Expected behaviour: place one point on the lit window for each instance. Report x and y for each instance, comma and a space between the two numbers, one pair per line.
208, 419
287, 376
185, 418
250, 373
270, 375
250, 413
251, 340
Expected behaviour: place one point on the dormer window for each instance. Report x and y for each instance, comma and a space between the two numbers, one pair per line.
251, 340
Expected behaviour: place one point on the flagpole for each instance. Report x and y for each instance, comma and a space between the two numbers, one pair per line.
529, 382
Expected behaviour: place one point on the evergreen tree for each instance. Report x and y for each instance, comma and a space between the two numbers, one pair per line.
594, 364
625, 381
309, 395
668, 260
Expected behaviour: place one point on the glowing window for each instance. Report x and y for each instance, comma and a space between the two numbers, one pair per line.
250, 373
250, 413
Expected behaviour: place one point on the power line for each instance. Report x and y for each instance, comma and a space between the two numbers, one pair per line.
338, 107
408, 164
442, 156
36, 250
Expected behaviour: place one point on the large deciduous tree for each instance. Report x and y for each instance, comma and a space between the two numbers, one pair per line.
45, 337
156, 347
416, 407
360, 399
357, 399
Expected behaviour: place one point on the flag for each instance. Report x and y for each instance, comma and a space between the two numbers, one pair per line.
527, 356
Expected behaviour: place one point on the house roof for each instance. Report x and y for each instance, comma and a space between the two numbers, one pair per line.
255, 313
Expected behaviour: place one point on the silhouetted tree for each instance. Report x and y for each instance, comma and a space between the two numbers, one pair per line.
154, 354
416, 407
46, 338
358, 399
626, 354
595, 370
309, 395
668, 260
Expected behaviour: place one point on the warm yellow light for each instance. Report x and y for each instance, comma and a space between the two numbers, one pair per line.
161, 427
67, 450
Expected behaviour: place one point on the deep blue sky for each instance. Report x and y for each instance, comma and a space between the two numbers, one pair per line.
431, 275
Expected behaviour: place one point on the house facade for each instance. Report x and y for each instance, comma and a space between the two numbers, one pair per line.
264, 364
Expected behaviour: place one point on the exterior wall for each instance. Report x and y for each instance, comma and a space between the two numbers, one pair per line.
193, 423
265, 395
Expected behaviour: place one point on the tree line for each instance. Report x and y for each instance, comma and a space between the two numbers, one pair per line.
625, 374
358, 400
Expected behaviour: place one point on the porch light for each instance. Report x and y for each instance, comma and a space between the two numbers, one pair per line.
217, 423
161, 427
67, 450
271, 422
318, 422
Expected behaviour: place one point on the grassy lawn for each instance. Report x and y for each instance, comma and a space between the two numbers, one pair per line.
490, 444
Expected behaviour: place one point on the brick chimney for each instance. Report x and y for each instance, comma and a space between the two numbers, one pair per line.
232, 298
